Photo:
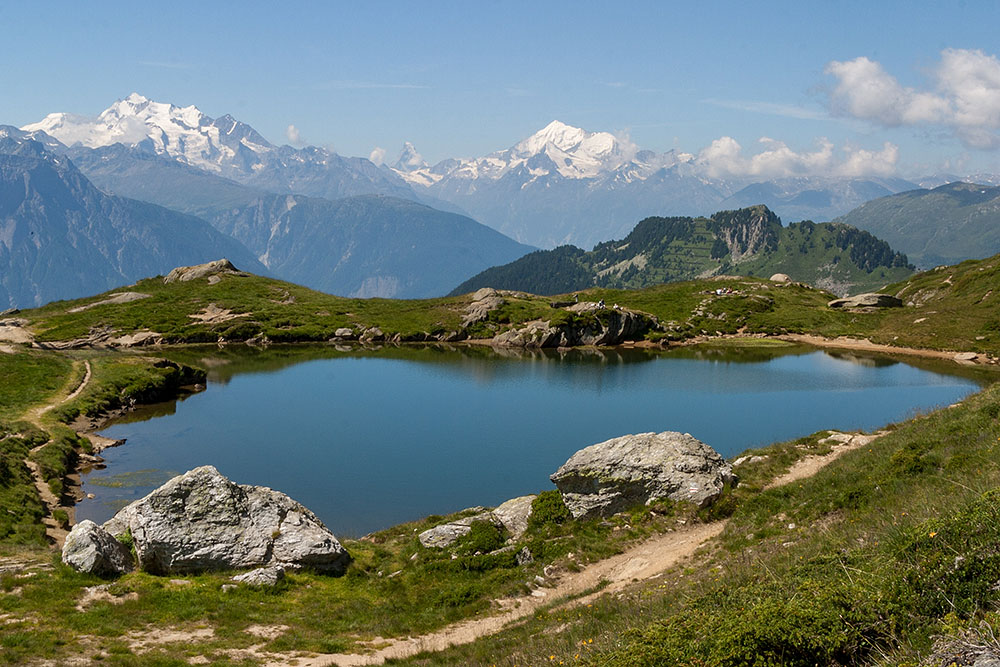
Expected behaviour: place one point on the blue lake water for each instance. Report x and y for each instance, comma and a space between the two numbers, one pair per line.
371, 440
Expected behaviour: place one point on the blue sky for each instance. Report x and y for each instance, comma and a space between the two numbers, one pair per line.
467, 78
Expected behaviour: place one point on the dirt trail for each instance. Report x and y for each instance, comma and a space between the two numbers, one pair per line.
53, 530
866, 345
639, 563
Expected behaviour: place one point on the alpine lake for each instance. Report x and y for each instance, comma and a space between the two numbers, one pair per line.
372, 438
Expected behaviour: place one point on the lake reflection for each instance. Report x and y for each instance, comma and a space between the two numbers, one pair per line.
368, 440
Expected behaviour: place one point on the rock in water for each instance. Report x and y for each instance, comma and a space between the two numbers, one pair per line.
633, 469
203, 521
91, 549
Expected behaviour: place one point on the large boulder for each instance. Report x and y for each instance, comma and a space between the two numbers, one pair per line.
868, 300
91, 549
640, 469
446, 534
184, 274
593, 324
203, 521
514, 515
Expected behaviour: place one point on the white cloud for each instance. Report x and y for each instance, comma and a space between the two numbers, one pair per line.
377, 156
724, 157
965, 96
860, 162
294, 136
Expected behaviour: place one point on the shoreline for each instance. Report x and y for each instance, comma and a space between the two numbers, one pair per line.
89, 427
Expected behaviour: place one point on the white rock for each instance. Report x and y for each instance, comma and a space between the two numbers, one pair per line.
89, 548
203, 521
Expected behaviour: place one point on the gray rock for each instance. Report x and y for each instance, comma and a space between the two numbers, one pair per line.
966, 356
91, 549
514, 515
780, 278
203, 521
484, 301
185, 273
869, 300
262, 577
608, 326
622, 472
344, 332
524, 557
446, 534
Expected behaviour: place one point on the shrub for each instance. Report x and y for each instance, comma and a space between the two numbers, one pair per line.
548, 508
483, 537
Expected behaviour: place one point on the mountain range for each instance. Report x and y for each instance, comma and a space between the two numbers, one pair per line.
748, 242
562, 184
364, 245
349, 226
943, 225
61, 237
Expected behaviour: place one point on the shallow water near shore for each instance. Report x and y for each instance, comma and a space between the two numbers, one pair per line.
372, 439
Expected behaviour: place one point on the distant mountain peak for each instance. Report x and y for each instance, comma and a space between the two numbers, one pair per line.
409, 159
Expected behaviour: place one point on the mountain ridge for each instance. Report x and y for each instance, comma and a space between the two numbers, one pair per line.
750, 241
61, 237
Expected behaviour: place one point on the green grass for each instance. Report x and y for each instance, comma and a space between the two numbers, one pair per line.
274, 309
863, 563
30, 377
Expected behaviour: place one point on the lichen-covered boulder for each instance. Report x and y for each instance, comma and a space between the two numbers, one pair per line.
514, 515
640, 469
446, 534
203, 521
91, 549
868, 300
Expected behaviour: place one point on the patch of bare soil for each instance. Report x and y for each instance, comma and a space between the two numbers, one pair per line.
92, 594
120, 297
13, 331
866, 345
212, 314
145, 640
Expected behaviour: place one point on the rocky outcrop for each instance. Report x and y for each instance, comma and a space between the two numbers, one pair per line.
590, 324
639, 469
780, 278
514, 515
91, 549
446, 534
868, 300
511, 515
184, 274
203, 521
484, 301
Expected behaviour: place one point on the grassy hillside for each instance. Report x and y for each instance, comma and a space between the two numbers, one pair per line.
952, 308
748, 242
944, 225
886, 548
884, 554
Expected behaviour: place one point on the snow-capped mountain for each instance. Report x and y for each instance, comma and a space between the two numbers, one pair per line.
223, 146
555, 150
564, 184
